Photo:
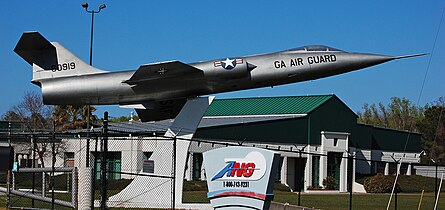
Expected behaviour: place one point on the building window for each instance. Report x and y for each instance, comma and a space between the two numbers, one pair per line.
335, 142
197, 166
68, 159
148, 166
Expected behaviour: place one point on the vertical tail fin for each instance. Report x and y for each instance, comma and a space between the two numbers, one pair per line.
50, 59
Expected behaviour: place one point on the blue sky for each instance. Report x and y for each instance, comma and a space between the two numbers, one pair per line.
131, 33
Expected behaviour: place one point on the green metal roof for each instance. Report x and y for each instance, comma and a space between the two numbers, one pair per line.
266, 105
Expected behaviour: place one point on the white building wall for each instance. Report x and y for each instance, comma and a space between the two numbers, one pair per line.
308, 172
132, 156
363, 167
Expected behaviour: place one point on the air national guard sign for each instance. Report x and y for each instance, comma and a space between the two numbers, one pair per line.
240, 177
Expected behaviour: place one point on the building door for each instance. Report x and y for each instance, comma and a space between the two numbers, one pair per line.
300, 166
315, 171
114, 164
295, 173
334, 162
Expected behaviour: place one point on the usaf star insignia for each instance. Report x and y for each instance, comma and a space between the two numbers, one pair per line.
229, 63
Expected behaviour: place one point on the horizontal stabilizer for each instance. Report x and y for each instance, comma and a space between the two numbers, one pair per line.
162, 70
50, 59
34, 48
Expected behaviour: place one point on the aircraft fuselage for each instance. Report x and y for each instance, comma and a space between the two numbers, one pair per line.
270, 70
159, 90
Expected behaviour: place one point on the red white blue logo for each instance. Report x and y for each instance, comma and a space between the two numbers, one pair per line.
236, 169
229, 63
252, 167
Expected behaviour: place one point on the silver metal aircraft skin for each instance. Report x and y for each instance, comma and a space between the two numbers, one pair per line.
159, 90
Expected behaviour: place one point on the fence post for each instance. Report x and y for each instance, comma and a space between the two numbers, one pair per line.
84, 187
75, 188
43, 184
103, 204
93, 184
53, 162
174, 174
8, 200
8, 176
33, 164
435, 181
350, 179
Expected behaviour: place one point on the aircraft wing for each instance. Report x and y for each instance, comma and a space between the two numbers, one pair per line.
159, 110
162, 70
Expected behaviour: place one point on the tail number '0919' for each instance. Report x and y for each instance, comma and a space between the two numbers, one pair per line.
63, 66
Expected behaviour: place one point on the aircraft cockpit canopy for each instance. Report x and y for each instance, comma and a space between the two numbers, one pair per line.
315, 48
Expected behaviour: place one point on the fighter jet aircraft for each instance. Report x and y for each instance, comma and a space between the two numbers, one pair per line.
159, 90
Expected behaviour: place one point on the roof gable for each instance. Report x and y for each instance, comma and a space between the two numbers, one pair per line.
266, 105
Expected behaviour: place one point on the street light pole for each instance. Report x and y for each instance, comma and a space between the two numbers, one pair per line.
102, 6
87, 162
85, 5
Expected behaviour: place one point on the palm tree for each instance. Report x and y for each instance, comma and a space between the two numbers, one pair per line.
73, 116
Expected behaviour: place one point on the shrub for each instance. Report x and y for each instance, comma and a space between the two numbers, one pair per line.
380, 184
281, 187
330, 183
315, 187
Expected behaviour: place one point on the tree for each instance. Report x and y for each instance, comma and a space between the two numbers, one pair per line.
122, 119
32, 112
36, 117
432, 127
68, 117
399, 114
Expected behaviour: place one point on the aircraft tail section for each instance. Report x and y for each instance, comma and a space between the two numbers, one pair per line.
50, 59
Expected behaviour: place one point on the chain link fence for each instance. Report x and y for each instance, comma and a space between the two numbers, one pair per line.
137, 175
140, 169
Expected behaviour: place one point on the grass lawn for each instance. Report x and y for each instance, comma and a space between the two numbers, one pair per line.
195, 192
340, 201
359, 201
17, 201
331, 201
